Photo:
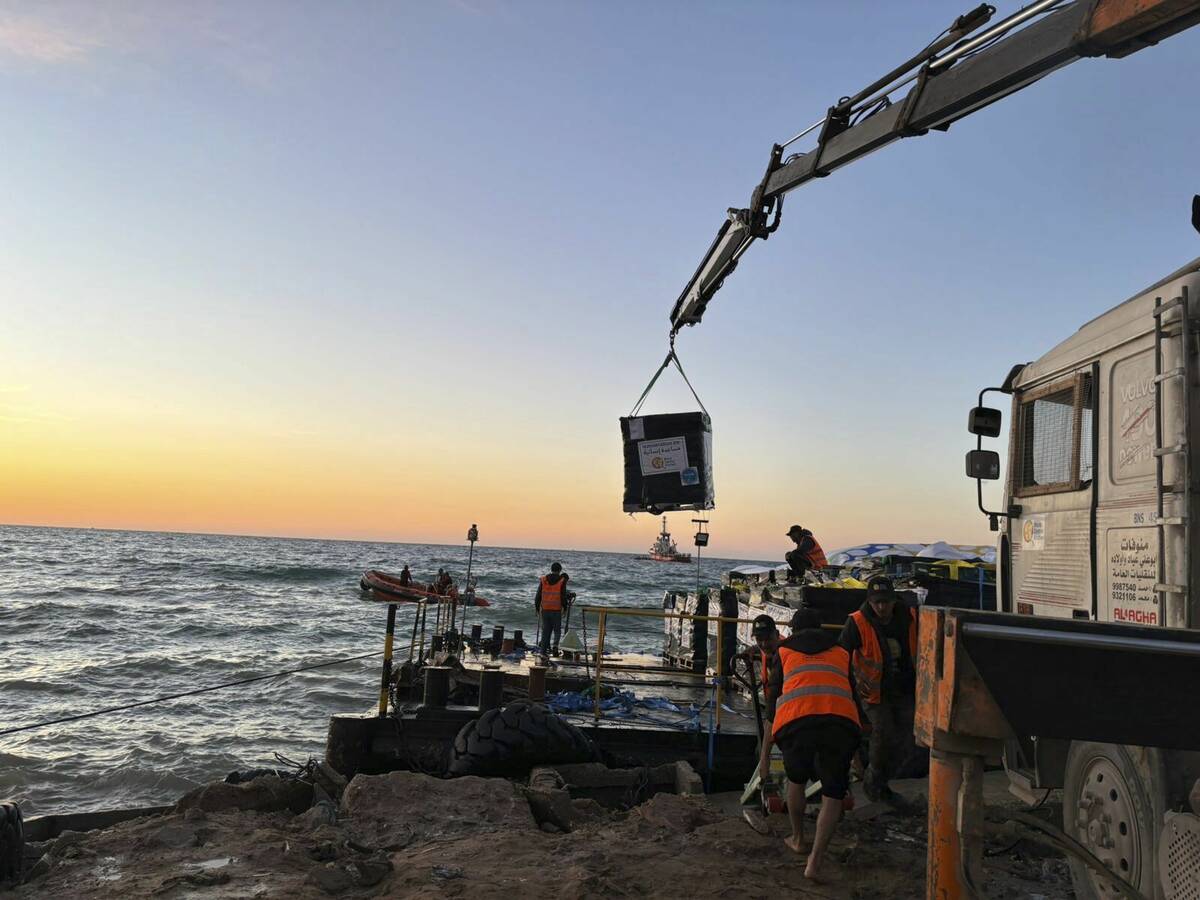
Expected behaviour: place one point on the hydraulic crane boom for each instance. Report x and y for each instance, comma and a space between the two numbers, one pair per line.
967, 76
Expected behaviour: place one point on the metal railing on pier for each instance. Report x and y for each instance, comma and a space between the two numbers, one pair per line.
717, 679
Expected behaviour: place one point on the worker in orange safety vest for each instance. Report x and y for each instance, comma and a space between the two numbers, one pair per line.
815, 721
548, 603
807, 555
767, 638
882, 640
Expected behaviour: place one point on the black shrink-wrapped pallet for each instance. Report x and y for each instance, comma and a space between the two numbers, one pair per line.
668, 462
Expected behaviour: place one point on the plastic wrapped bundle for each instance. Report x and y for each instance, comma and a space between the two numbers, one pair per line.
668, 462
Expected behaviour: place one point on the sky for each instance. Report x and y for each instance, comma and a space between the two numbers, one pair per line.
383, 269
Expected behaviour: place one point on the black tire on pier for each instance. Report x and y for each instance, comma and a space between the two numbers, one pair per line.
512, 740
12, 844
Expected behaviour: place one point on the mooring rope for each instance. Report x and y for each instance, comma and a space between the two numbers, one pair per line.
191, 693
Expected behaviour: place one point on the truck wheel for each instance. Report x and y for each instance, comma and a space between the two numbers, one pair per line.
12, 844
1112, 804
512, 740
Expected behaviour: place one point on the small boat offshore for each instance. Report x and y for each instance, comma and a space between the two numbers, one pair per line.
390, 587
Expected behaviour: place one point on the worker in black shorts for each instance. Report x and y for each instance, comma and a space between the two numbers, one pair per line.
815, 722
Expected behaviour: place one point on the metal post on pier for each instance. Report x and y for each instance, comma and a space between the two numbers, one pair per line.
599, 661
468, 591
412, 638
424, 615
701, 541
720, 668
386, 679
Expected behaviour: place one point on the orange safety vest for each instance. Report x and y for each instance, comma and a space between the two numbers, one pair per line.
552, 594
868, 659
816, 556
814, 684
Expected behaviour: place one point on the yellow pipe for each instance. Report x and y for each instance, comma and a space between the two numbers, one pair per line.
720, 668
658, 614
383, 691
385, 679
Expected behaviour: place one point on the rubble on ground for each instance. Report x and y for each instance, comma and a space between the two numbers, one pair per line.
411, 835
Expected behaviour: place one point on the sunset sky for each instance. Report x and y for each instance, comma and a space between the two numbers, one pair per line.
380, 270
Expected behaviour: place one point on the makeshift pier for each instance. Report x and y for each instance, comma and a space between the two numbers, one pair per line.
637, 709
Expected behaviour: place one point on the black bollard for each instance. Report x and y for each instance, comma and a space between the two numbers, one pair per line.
386, 677
537, 682
497, 639
476, 635
435, 644
491, 688
518, 638
437, 685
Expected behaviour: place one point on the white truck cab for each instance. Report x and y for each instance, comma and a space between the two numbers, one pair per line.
1099, 502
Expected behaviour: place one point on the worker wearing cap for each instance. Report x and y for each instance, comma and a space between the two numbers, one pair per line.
767, 638
882, 639
548, 603
807, 555
815, 721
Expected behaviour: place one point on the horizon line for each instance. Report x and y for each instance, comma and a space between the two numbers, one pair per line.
281, 537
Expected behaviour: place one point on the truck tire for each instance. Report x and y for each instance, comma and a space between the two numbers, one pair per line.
1113, 801
12, 845
512, 740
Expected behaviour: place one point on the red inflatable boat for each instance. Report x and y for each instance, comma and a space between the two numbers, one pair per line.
388, 587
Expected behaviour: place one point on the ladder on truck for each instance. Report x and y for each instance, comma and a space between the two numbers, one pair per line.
1177, 327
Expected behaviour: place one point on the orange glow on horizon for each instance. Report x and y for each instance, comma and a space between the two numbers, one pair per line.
141, 469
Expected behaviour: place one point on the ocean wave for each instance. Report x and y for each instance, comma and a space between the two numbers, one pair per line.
87, 630
14, 761
128, 779
240, 630
122, 617
28, 686
337, 699
293, 573
108, 590
129, 673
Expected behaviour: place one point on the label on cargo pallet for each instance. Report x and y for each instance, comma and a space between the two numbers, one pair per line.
663, 456
689, 477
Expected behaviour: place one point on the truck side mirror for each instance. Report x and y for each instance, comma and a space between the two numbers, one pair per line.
984, 421
983, 464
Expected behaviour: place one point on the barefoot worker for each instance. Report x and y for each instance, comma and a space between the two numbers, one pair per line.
548, 602
815, 721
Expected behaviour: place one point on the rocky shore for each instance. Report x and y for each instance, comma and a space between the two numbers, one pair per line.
410, 835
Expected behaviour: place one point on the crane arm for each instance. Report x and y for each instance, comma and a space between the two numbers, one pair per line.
946, 86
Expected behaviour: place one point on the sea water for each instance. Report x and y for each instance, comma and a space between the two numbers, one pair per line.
92, 619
